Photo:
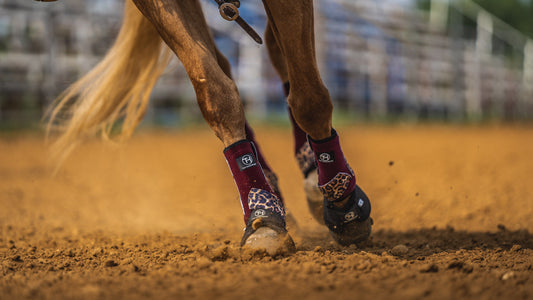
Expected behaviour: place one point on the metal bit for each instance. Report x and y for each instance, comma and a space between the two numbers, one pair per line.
230, 12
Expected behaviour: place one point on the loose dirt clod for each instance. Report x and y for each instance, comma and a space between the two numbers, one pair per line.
318, 249
399, 250
203, 262
17, 258
110, 263
432, 268
508, 275
461, 266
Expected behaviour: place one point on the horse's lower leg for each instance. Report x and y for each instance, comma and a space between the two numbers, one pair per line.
302, 152
291, 24
182, 26
269, 173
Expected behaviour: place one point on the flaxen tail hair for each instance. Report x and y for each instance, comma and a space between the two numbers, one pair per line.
118, 88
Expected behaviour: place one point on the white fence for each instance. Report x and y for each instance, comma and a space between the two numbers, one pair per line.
377, 60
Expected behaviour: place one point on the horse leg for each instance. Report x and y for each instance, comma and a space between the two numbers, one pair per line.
346, 209
302, 151
270, 175
183, 28
305, 162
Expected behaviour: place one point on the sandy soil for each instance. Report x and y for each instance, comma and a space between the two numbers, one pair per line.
159, 217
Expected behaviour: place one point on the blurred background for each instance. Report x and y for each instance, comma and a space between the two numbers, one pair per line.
390, 60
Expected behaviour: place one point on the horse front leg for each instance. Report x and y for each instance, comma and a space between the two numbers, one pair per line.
346, 209
182, 26
291, 23
250, 135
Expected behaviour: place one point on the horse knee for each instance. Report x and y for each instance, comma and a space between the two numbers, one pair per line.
311, 107
218, 99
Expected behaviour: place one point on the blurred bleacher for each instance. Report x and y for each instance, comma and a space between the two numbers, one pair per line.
378, 61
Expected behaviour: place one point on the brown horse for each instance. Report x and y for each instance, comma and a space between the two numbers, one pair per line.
120, 85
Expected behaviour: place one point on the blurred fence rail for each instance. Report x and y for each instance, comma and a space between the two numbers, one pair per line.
378, 60
405, 65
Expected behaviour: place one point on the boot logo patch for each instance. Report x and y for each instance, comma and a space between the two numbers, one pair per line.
326, 157
246, 161
350, 216
260, 213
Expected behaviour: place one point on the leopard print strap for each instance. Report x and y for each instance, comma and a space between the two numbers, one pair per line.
336, 187
261, 199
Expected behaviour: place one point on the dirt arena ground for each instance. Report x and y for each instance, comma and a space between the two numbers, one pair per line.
159, 217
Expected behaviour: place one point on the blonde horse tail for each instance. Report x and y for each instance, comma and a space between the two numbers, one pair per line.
117, 88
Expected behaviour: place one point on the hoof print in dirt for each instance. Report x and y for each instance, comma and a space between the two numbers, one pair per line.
266, 232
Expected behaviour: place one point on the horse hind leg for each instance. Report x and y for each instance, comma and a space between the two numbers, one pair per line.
182, 26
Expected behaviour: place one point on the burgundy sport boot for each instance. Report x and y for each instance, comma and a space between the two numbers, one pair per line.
346, 208
271, 177
264, 214
329, 181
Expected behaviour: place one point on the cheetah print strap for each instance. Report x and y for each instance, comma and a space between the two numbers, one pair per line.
261, 199
336, 187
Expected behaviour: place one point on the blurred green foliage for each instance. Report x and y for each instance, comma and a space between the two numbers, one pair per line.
517, 13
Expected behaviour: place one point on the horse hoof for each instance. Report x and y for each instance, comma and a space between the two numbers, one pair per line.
314, 196
351, 223
353, 233
266, 231
268, 240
